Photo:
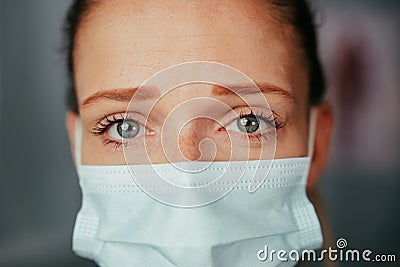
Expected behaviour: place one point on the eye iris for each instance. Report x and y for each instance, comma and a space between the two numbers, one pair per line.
128, 128
248, 124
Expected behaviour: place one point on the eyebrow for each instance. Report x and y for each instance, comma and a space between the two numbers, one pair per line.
126, 94
121, 95
263, 87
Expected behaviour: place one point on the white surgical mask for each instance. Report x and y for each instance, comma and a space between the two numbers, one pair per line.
119, 225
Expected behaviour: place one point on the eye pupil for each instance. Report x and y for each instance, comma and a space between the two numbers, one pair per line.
248, 124
128, 128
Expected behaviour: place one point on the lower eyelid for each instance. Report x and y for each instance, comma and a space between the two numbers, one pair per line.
127, 143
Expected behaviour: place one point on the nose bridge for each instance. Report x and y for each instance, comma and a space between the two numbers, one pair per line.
186, 123
190, 136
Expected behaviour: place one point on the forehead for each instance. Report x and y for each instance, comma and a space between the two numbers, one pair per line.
122, 43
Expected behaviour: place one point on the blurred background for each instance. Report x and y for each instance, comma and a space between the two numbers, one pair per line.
39, 192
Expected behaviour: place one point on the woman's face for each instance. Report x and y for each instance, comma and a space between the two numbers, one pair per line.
121, 43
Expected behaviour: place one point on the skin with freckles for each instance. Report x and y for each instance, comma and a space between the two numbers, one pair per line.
121, 43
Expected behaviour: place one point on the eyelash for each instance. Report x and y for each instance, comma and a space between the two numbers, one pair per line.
101, 128
271, 119
103, 125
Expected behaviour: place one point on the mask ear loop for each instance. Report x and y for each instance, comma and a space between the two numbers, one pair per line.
78, 142
311, 132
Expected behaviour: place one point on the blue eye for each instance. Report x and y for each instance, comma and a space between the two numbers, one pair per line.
126, 129
248, 124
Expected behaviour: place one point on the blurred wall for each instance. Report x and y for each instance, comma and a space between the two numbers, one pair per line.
39, 192
359, 45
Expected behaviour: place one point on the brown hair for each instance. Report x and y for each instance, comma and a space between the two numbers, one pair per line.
293, 12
